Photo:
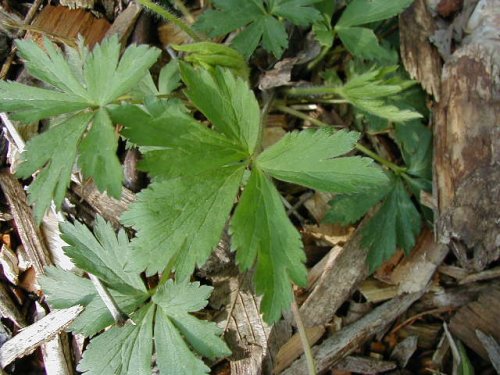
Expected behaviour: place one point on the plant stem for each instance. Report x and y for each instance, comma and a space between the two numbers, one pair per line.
170, 17
395, 168
316, 90
311, 366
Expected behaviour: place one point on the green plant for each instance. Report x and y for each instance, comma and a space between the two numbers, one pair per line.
261, 20
82, 87
208, 175
160, 317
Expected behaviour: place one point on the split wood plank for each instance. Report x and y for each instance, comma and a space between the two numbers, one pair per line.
345, 341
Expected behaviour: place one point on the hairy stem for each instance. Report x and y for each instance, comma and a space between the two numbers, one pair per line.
170, 17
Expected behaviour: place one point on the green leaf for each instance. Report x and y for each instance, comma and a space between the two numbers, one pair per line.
260, 20
31, 104
177, 145
103, 254
181, 220
363, 43
176, 300
371, 90
84, 81
128, 349
170, 78
45, 152
322, 28
399, 222
361, 12
349, 208
226, 101
122, 350
108, 77
262, 232
98, 157
49, 65
415, 142
210, 55
309, 158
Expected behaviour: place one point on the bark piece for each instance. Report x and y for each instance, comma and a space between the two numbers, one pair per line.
414, 272
481, 314
125, 22
109, 208
294, 348
8, 309
491, 347
348, 339
30, 338
364, 365
467, 155
338, 281
404, 350
420, 58
28, 231
67, 23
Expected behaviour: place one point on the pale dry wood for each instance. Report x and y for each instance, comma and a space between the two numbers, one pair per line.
420, 58
254, 344
492, 347
481, 314
404, 350
338, 281
8, 308
30, 338
414, 272
56, 355
109, 208
481, 276
28, 231
376, 291
364, 365
124, 23
344, 342
293, 348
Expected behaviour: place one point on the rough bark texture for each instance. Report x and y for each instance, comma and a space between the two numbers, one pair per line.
421, 59
467, 140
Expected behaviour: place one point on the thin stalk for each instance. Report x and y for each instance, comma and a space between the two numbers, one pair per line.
395, 168
317, 90
171, 17
311, 366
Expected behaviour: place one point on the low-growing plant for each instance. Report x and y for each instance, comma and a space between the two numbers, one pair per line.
208, 174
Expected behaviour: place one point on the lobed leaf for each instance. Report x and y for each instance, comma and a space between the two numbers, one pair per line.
361, 12
179, 221
227, 102
308, 158
261, 232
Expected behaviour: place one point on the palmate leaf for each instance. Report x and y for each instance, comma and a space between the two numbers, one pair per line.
309, 158
259, 20
179, 218
165, 322
83, 87
102, 255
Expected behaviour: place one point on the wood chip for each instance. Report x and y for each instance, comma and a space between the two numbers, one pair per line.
364, 365
293, 348
67, 24
9, 309
492, 347
336, 284
421, 59
125, 22
376, 291
481, 314
30, 338
404, 350
342, 343
27, 229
